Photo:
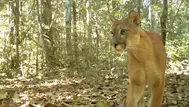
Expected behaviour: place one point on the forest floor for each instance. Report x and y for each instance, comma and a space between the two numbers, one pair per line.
97, 89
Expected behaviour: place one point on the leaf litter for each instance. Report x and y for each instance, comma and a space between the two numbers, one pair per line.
99, 90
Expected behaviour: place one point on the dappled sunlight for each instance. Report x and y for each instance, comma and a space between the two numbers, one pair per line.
85, 91
22, 90
108, 88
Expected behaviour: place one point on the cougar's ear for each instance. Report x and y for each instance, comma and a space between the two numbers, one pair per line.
112, 18
134, 16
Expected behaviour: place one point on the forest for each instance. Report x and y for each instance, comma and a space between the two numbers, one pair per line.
57, 53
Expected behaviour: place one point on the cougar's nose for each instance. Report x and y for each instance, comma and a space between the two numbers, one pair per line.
114, 42
115, 45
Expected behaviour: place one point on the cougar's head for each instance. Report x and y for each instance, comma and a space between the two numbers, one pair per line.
125, 33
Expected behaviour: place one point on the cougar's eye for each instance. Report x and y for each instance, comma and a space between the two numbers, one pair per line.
123, 31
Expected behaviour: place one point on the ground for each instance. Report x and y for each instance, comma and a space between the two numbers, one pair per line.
98, 89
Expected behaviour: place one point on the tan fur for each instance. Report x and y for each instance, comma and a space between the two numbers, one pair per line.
146, 60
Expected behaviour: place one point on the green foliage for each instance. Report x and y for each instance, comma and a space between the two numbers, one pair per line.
178, 54
102, 104
94, 50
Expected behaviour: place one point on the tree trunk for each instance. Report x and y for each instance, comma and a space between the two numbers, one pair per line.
151, 16
17, 23
88, 21
163, 20
75, 33
89, 32
15, 38
68, 27
138, 8
39, 27
47, 33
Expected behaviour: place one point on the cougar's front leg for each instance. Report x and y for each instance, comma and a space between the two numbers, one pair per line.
136, 88
141, 101
156, 92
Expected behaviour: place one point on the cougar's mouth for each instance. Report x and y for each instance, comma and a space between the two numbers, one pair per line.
119, 47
